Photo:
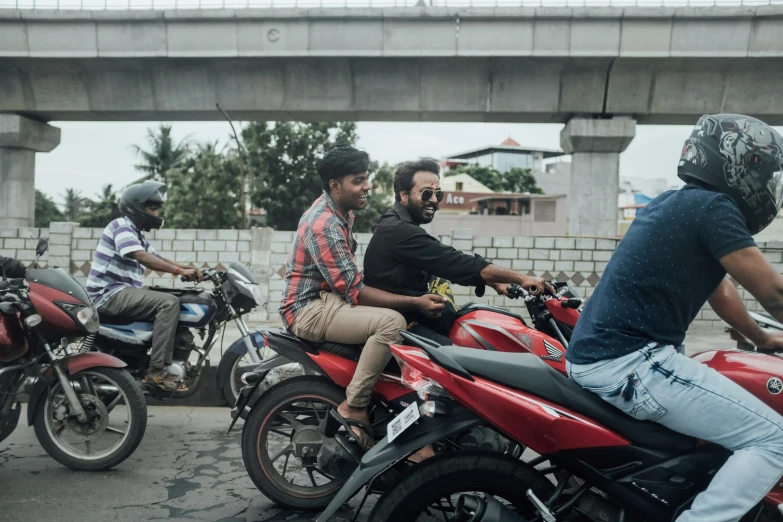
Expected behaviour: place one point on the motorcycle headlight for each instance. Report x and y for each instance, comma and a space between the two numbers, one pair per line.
255, 290
86, 315
89, 318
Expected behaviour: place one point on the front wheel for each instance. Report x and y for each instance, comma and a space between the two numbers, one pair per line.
116, 420
431, 490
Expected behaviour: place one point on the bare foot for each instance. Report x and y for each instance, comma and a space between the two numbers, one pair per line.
423, 454
360, 415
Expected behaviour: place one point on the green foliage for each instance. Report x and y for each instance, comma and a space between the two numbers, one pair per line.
74, 205
99, 213
162, 156
283, 165
46, 210
515, 180
204, 191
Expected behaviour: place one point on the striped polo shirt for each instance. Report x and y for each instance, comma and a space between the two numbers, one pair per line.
112, 267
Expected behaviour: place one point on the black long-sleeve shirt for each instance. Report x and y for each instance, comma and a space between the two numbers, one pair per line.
12, 268
401, 258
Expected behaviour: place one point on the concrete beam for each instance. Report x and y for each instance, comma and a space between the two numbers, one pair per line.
19, 132
20, 139
422, 32
529, 90
583, 135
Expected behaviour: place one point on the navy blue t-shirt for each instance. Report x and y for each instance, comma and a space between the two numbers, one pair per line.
660, 276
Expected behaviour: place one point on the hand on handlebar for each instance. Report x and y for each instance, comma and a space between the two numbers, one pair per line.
191, 274
536, 285
772, 343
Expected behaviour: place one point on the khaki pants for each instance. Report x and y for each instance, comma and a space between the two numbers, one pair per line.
330, 318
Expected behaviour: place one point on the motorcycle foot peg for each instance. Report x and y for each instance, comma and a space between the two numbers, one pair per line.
542, 509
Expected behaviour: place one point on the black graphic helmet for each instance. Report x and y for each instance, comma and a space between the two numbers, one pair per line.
136, 198
741, 157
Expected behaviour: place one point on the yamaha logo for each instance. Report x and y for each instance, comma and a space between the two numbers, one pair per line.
553, 353
774, 386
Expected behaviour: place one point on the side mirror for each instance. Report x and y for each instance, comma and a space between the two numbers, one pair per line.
43, 246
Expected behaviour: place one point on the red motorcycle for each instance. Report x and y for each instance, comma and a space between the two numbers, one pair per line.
87, 411
598, 463
299, 457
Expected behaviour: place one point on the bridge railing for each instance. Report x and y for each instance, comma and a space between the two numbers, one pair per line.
256, 4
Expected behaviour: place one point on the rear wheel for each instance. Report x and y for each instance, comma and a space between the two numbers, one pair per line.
290, 413
430, 491
116, 420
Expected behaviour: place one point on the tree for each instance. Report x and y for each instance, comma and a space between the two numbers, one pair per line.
519, 181
100, 213
162, 156
383, 179
515, 180
488, 176
283, 163
73, 205
46, 210
204, 190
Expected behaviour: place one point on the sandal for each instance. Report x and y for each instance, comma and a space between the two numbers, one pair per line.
364, 439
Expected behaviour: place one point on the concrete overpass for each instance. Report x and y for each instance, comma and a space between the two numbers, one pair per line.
586, 65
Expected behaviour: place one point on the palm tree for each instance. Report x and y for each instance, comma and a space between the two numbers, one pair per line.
163, 154
74, 204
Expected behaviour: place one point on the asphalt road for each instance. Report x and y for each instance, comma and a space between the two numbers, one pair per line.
185, 469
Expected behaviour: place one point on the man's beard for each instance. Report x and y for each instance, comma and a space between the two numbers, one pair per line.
417, 213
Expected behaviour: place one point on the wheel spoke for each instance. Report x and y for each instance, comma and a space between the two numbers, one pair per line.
310, 474
285, 466
278, 432
60, 429
316, 468
88, 444
287, 451
115, 430
291, 420
114, 402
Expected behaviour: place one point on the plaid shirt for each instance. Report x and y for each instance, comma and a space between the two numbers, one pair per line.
322, 259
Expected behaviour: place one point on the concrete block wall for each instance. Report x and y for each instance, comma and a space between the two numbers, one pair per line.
581, 261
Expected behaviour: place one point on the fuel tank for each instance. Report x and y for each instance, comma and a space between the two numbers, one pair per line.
491, 328
761, 374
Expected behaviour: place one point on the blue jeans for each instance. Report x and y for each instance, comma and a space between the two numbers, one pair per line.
659, 384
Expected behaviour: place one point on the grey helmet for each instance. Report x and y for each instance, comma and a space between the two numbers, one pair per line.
741, 157
136, 198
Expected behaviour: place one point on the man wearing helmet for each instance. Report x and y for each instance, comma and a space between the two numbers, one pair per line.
117, 274
673, 259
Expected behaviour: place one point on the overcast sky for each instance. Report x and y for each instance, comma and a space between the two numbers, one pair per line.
93, 153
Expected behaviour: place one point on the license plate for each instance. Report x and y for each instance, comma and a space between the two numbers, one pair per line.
403, 421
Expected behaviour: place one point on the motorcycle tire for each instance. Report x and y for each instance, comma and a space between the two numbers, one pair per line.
226, 374
137, 407
254, 436
461, 472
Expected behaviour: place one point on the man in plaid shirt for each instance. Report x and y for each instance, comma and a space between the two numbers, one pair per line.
325, 298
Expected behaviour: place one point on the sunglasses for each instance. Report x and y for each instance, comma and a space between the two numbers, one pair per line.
426, 194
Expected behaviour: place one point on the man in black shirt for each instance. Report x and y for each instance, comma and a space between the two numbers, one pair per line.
402, 258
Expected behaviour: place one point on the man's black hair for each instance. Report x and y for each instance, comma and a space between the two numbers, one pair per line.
403, 178
342, 161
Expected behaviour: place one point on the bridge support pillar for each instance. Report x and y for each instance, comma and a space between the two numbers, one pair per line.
595, 146
20, 139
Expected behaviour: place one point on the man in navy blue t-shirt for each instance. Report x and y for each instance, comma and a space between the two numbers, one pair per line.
674, 259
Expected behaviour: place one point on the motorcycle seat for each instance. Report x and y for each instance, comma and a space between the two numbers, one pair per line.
526, 372
350, 352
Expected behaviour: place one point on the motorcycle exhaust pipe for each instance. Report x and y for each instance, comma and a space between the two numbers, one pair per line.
472, 508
